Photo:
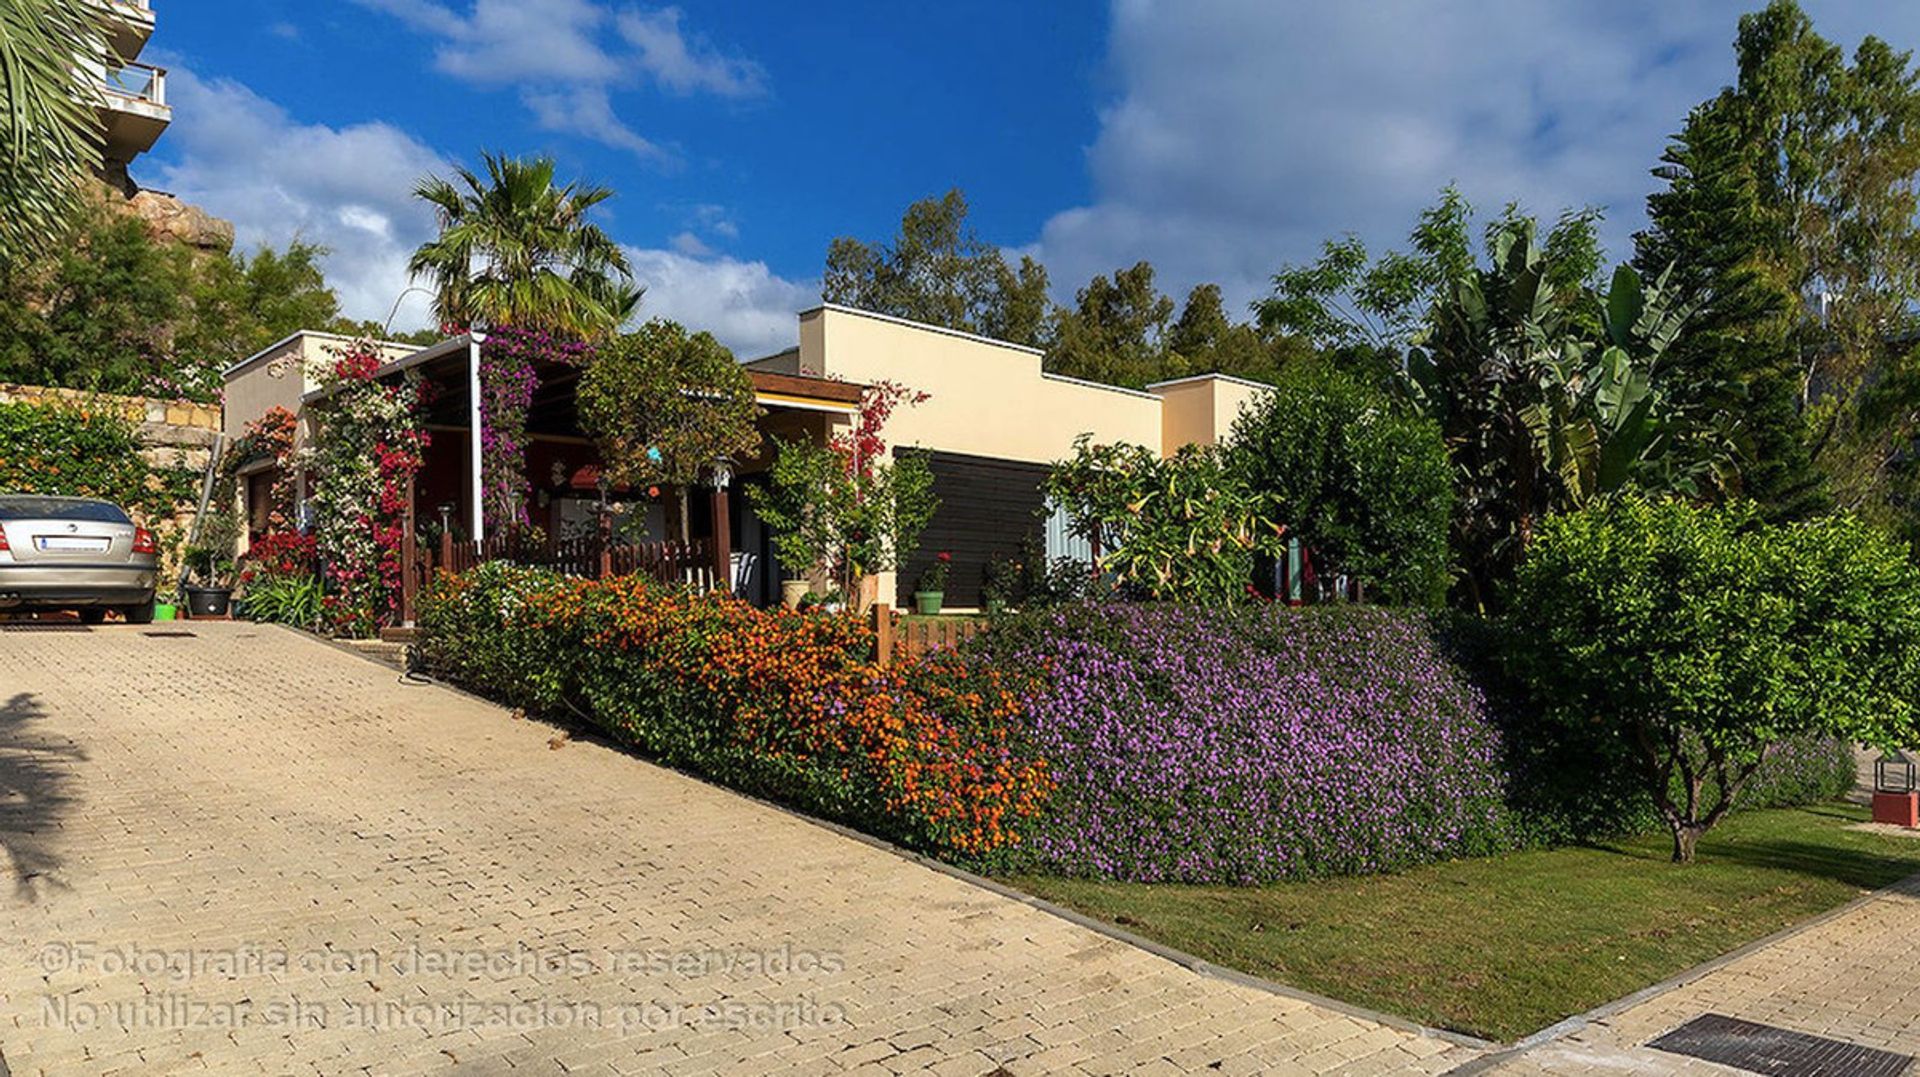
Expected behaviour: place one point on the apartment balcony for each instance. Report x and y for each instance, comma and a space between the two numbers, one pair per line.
129, 26
133, 108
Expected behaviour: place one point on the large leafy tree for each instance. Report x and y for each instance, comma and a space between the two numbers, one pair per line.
114, 310
1349, 302
1359, 481
50, 137
1113, 332
663, 404
1790, 208
515, 248
937, 270
1205, 340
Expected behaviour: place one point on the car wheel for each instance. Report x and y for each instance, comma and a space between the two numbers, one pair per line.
92, 615
141, 614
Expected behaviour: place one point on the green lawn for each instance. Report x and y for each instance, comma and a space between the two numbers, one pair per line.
1503, 946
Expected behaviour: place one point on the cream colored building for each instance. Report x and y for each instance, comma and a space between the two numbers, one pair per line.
993, 422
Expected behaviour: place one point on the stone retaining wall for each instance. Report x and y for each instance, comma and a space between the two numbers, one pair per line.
173, 433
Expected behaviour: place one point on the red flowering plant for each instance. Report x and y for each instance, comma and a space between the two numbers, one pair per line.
934, 579
851, 508
369, 443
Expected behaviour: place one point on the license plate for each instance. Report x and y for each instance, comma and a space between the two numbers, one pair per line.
66, 542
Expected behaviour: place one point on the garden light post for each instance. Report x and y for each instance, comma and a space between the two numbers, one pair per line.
1894, 799
721, 471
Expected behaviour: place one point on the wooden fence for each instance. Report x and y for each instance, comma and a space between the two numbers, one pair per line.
897, 637
593, 556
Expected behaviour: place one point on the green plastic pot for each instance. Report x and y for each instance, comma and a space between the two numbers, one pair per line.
928, 602
163, 611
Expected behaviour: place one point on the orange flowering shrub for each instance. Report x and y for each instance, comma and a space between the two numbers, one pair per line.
778, 703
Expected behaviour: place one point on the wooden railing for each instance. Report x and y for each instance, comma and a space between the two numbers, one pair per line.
897, 638
592, 556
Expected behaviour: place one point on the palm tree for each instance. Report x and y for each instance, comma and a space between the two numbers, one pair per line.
516, 250
50, 136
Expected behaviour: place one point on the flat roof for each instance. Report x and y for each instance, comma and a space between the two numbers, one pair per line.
1248, 382
296, 335
911, 324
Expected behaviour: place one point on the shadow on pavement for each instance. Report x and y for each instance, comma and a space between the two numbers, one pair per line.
35, 774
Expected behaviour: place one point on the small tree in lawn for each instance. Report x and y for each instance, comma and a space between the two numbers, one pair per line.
846, 509
1696, 640
663, 404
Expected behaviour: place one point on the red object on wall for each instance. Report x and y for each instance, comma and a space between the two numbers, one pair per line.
1899, 809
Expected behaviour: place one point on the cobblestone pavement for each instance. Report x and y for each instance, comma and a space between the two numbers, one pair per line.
247, 851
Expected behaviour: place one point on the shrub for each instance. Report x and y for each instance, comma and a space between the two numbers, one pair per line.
774, 702
1182, 529
1366, 488
67, 450
1251, 745
1695, 642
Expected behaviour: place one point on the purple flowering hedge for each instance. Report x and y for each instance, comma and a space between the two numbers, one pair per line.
1252, 744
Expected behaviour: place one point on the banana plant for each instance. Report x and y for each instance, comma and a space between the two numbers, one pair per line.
1551, 397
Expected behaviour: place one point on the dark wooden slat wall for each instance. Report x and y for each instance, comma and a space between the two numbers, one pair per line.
988, 507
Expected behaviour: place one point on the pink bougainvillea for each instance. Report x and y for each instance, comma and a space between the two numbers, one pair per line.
510, 364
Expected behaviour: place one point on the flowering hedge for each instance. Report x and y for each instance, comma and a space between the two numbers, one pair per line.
774, 702
1254, 744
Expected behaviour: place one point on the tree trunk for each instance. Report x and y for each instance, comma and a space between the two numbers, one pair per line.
1685, 837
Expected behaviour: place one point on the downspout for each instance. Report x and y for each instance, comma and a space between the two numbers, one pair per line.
478, 524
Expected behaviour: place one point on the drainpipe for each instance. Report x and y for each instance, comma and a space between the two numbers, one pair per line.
478, 524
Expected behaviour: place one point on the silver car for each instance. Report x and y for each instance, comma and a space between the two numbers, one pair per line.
75, 553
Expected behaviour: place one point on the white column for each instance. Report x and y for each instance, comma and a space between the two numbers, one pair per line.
478, 525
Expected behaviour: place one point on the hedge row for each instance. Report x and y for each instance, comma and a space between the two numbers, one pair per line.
1120, 741
780, 704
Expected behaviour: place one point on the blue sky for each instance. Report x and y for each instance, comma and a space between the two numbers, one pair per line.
1217, 138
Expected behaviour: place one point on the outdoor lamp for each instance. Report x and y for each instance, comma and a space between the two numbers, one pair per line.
722, 472
1894, 773
1894, 798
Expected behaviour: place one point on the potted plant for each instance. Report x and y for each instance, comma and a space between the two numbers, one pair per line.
163, 606
998, 583
792, 591
932, 592
210, 567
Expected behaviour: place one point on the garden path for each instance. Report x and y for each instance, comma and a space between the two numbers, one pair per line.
244, 850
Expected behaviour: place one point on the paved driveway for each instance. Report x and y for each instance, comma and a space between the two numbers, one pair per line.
247, 851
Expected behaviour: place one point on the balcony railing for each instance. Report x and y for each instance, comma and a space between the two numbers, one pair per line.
142, 82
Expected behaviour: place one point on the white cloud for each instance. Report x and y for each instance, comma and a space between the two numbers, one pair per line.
687, 66
743, 303
586, 111
569, 56
690, 245
349, 189
1245, 132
